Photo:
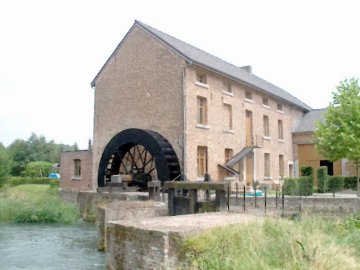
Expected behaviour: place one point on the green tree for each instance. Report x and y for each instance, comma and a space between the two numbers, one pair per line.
38, 168
20, 153
338, 136
5, 164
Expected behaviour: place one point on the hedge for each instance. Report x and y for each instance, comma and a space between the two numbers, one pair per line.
291, 186
322, 178
335, 183
306, 187
307, 171
350, 182
16, 181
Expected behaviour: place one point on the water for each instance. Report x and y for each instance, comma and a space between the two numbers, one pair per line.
49, 247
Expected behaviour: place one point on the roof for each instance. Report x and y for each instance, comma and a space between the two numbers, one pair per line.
196, 56
307, 123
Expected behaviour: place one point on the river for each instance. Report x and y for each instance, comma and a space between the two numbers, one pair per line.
49, 247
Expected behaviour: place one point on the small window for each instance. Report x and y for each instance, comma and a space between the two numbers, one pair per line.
266, 102
227, 87
77, 167
279, 107
201, 161
201, 110
281, 166
228, 117
280, 130
267, 165
266, 126
201, 78
248, 95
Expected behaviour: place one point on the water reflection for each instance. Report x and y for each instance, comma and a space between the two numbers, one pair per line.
49, 247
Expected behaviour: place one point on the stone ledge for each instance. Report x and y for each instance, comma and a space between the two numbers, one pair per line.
155, 243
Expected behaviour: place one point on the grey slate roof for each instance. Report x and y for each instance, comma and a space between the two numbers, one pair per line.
206, 60
307, 122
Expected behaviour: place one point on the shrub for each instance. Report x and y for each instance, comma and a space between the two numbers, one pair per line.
335, 183
322, 179
16, 181
291, 186
306, 185
307, 171
350, 182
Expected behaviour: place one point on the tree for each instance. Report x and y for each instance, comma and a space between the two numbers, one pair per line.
5, 164
20, 153
38, 168
338, 136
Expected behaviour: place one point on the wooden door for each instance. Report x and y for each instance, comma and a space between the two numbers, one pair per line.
249, 128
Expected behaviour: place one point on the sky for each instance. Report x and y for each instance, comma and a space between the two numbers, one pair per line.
51, 50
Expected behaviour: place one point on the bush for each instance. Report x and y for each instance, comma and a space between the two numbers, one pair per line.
322, 179
306, 185
307, 171
291, 186
350, 182
335, 183
16, 181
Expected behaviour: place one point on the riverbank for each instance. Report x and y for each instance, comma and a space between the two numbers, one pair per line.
305, 243
35, 204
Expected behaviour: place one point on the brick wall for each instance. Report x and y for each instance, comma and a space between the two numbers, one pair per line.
216, 139
140, 87
69, 181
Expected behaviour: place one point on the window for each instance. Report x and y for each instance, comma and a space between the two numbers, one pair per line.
228, 117
248, 95
201, 78
227, 87
266, 126
201, 111
279, 107
266, 102
201, 161
280, 130
267, 165
281, 166
77, 167
228, 155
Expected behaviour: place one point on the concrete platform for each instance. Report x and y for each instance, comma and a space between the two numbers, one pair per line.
154, 243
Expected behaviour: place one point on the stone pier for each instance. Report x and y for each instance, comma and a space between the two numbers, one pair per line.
155, 243
125, 210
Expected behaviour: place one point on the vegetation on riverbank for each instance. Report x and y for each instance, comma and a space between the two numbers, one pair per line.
35, 204
308, 243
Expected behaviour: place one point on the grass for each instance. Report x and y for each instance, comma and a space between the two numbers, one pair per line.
35, 204
309, 243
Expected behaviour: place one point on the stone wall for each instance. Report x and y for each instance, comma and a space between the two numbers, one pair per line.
126, 210
309, 205
155, 243
89, 201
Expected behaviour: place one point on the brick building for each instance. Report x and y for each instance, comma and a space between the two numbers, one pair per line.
165, 109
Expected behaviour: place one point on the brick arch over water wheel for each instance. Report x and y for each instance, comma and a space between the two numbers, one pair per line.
142, 155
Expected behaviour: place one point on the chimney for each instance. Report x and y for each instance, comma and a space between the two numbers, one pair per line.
248, 69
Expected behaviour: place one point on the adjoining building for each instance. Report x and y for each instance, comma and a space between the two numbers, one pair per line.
169, 111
